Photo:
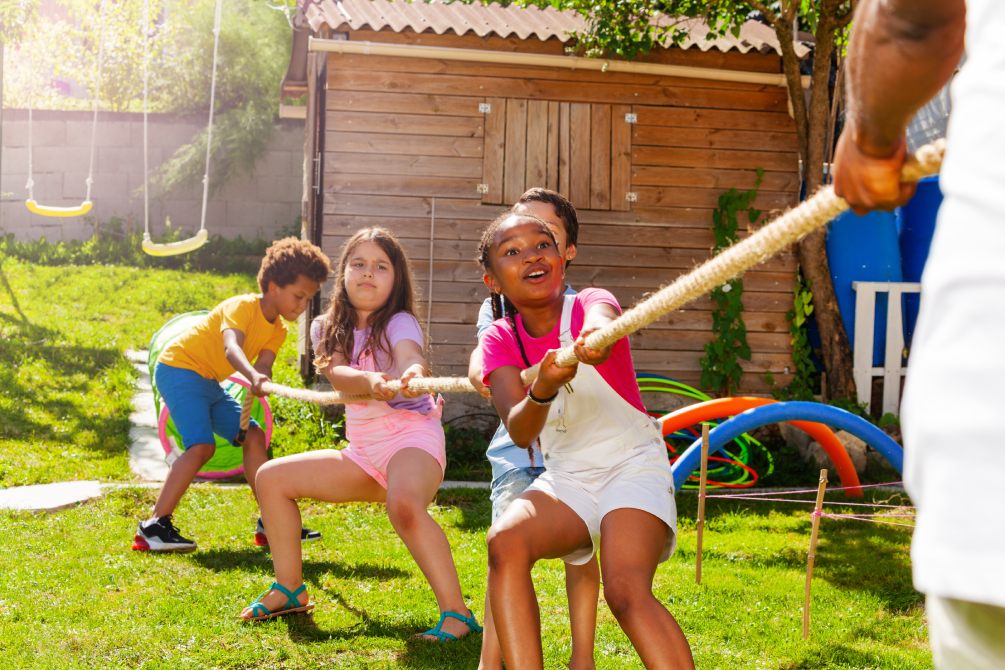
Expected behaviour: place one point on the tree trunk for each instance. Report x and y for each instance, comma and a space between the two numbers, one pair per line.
812, 251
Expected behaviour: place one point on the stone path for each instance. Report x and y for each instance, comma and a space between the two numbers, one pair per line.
146, 456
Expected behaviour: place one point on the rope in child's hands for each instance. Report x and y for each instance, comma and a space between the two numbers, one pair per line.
773, 237
770, 239
425, 384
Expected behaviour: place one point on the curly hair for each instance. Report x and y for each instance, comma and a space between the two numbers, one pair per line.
290, 258
339, 319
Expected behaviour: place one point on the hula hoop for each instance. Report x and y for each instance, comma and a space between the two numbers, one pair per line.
168, 441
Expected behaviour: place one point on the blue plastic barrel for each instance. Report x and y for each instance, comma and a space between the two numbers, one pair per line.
863, 248
917, 225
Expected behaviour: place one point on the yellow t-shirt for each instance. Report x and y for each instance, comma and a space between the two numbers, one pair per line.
201, 348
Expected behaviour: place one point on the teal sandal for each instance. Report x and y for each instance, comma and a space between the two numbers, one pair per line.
442, 636
262, 613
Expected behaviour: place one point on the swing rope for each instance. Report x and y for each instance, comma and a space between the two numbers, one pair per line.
202, 236
84, 207
772, 238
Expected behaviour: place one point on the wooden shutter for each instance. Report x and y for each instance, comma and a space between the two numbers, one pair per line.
578, 149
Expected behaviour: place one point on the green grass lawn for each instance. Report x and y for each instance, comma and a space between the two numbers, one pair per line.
72, 594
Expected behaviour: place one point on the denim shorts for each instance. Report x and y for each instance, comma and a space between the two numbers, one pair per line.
508, 487
200, 407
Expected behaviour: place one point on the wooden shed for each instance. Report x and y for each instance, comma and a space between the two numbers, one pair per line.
429, 119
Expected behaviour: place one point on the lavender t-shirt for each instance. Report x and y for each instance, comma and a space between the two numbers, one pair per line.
402, 326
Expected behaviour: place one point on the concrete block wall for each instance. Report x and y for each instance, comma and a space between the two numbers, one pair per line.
260, 203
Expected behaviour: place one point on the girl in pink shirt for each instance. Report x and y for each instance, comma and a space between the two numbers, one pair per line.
368, 336
607, 479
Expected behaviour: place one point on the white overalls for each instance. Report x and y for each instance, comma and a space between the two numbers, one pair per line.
602, 454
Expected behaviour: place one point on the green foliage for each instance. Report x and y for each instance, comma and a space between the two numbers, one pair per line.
720, 366
111, 244
805, 377
466, 459
253, 54
630, 28
17, 18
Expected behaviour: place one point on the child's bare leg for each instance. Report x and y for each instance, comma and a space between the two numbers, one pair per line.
491, 654
582, 587
413, 477
180, 476
321, 475
535, 526
632, 541
255, 455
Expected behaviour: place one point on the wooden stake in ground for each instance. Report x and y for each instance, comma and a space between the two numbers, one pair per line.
813, 551
702, 481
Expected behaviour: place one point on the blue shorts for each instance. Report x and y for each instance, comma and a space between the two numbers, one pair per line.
200, 407
508, 487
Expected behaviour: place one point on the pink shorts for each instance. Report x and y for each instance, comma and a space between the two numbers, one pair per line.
374, 442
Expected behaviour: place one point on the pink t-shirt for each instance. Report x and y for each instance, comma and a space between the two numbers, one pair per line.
402, 326
500, 348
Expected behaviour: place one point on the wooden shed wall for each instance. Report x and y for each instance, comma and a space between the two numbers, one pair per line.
401, 132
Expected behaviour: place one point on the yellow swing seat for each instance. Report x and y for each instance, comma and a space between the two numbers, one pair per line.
63, 212
175, 248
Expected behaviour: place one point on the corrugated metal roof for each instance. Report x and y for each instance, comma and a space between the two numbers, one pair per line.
506, 21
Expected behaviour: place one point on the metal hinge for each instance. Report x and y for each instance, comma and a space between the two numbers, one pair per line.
317, 174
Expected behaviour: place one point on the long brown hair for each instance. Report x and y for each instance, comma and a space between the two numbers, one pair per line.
339, 319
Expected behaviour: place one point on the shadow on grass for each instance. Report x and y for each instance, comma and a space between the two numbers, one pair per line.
847, 656
418, 653
864, 557
476, 510
256, 560
71, 374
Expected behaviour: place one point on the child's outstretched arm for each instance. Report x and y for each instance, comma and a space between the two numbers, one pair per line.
233, 343
475, 365
409, 357
597, 316
349, 380
525, 411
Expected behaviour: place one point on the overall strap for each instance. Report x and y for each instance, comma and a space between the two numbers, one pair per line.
565, 325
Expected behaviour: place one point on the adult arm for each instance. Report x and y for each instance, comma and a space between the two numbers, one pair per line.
900, 54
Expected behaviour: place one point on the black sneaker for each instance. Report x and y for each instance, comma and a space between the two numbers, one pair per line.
162, 536
306, 534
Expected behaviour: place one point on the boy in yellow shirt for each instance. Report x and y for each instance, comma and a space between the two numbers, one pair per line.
239, 330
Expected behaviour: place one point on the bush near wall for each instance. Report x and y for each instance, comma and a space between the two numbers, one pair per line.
111, 244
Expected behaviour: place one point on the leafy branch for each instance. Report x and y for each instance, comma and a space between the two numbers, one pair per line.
720, 366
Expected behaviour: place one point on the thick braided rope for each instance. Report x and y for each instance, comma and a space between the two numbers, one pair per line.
787, 229
426, 384
772, 238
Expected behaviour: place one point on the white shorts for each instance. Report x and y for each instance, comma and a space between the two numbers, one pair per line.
965, 635
642, 481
